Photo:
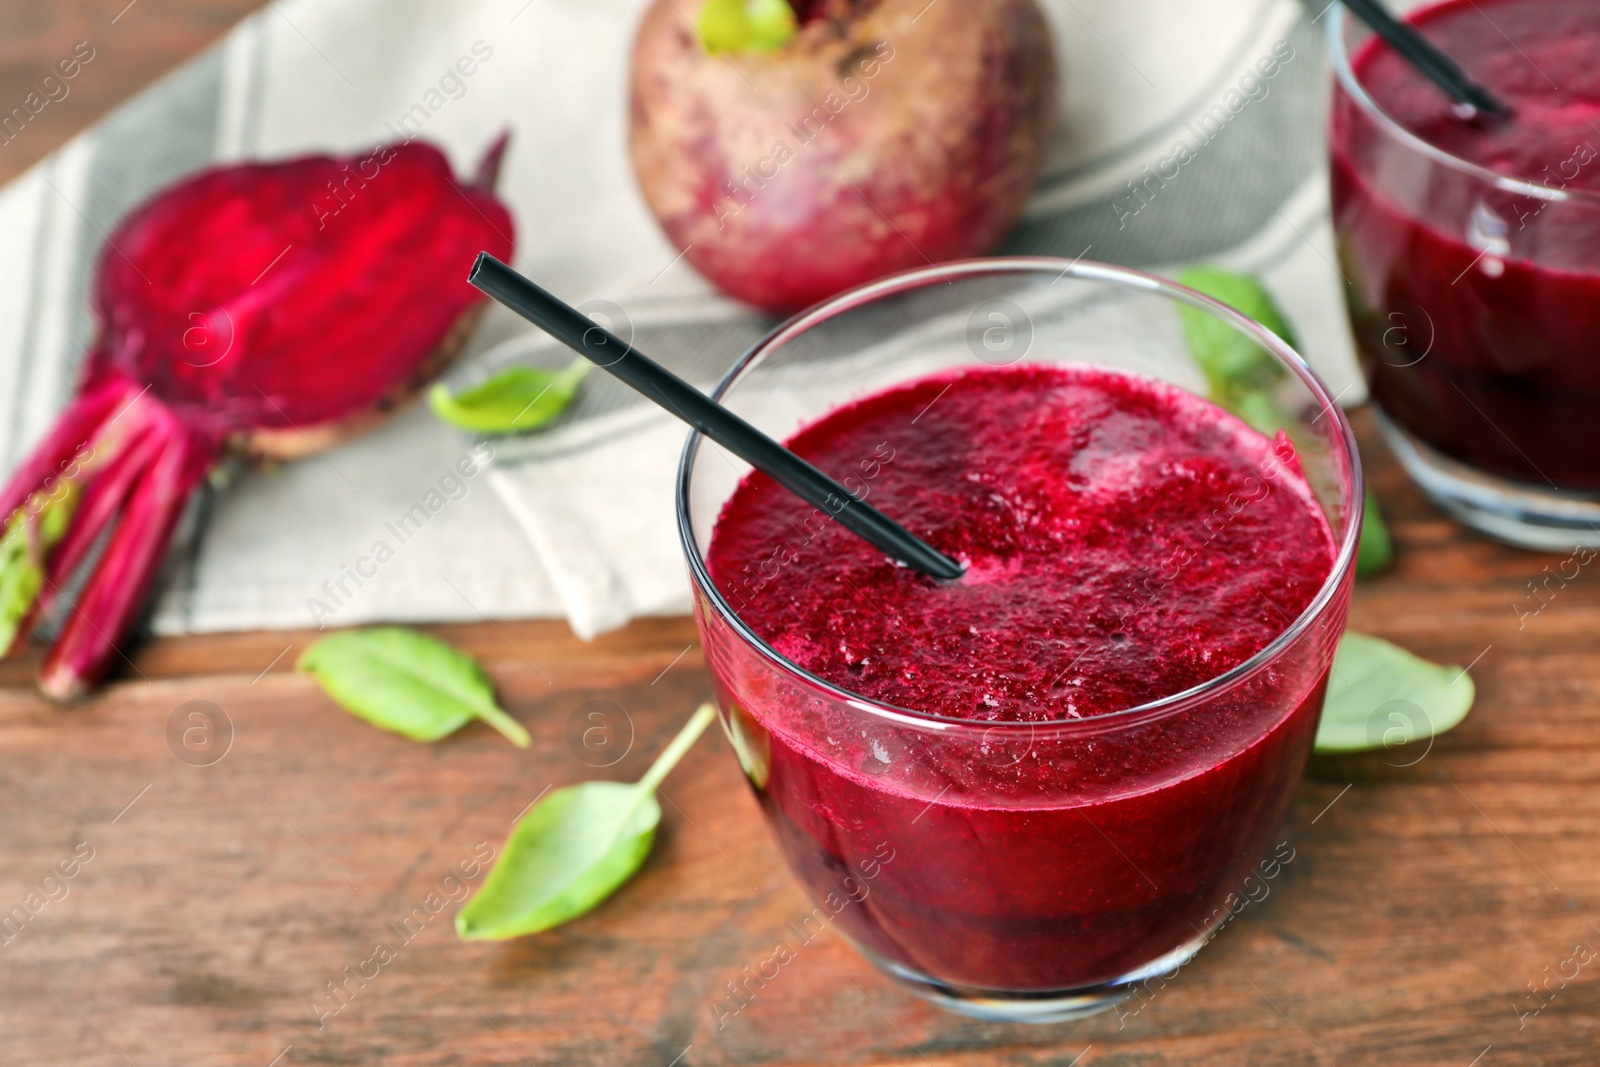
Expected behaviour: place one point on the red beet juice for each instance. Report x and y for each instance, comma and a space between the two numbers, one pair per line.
1476, 307
1125, 541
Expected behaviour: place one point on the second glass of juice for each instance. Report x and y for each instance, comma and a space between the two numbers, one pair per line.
1007, 860
1470, 249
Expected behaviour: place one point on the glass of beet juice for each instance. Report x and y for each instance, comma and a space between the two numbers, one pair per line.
1022, 792
1470, 245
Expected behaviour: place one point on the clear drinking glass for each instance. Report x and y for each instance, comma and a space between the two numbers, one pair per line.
1475, 302
979, 887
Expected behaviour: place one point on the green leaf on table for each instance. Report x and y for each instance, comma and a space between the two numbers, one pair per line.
746, 25
1241, 376
1234, 365
751, 743
1381, 696
514, 400
1375, 550
573, 849
408, 682
1259, 411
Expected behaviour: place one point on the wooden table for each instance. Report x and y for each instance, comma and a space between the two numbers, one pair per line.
219, 898
134, 43
1426, 892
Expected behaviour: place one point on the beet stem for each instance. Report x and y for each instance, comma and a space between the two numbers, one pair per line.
124, 574
67, 439
488, 173
103, 497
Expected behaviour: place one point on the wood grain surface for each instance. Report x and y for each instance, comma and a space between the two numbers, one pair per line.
1429, 887
217, 892
133, 44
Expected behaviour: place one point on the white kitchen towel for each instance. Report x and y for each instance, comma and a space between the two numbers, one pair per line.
577, 521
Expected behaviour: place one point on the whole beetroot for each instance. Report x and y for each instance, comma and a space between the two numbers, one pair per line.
881, 136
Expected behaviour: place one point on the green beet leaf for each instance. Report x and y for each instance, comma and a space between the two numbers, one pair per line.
1259, 411
1241, 375
751, 743
745, 25
30, 533
1375, 550
514, 400
407, 682
1381, 696
1234, 365
572, 850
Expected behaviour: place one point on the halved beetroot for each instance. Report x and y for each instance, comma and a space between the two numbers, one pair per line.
271, 308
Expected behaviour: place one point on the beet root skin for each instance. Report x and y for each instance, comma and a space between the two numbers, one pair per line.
900, 135
270, 308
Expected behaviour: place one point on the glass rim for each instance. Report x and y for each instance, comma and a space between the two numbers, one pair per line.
1343, 437
1346, 77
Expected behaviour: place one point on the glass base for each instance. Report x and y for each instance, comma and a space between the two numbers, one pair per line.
1527, 516
1034, 1006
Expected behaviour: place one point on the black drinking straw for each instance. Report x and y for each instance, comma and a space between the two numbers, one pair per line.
1421, 54
578, 332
